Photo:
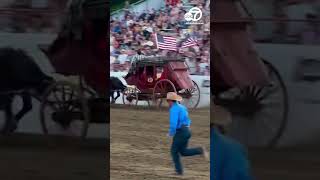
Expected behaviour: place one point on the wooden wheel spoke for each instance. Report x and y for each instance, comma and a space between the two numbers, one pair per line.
53, 105
162, 88
246, 92
70, 100
257, 93
72, 109
58, 100
63, 93
255, 90
66, 103
267, 93
251, 90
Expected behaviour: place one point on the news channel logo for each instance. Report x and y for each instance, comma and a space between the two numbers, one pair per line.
193, 16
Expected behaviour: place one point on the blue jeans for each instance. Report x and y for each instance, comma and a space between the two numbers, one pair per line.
179, 147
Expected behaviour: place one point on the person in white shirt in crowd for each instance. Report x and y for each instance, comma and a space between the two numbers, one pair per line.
122, 58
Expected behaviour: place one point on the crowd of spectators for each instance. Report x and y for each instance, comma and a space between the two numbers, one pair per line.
134, 35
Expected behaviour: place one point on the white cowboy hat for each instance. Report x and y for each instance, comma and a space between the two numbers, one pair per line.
220, 116
149, 43
173, 96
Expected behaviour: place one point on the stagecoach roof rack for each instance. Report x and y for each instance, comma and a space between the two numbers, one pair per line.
158, 60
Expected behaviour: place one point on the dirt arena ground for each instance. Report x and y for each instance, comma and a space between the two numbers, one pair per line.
140, 148
295, 163
35, 157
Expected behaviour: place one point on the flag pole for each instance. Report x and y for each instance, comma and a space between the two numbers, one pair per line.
155, 34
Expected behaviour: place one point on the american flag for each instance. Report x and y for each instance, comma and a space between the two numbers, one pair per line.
190, 41
166, 42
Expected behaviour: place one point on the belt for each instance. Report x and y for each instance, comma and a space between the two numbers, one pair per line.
183, 126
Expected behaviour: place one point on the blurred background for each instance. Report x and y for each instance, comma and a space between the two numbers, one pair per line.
31, 15
286, 35
28, 153
285, 21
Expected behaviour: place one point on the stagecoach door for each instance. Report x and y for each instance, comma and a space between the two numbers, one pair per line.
146, 76
150, 74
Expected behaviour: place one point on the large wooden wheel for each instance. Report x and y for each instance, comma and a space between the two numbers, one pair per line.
259, 114
64, 109
160, 91
191, 97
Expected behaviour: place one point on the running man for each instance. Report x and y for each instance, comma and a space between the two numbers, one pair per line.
180, 131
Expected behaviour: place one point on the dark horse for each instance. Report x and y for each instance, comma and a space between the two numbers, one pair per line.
19, 76
115, 86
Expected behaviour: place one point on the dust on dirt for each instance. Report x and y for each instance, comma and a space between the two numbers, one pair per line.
37, 157
294, 163
140, 148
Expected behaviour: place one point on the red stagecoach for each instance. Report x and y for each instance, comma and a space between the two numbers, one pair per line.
250, 87
83, 55
150, 79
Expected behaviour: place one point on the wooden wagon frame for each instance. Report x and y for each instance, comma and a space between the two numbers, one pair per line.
153, 77
248, 86
83, 100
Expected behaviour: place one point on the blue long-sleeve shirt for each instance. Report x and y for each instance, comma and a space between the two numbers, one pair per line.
178, 116
228, 160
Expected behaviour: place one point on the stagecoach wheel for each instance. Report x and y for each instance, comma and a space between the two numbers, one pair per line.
191, 97
130, 96
64, 110
160, 91
260, 114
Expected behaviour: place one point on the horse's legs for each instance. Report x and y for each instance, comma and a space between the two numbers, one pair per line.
118, 95
112, 97
27, 106
10, 124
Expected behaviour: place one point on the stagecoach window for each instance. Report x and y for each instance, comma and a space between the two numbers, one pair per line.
150, 70
159, 71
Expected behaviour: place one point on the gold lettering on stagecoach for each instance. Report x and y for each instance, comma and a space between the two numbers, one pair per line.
150, 80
